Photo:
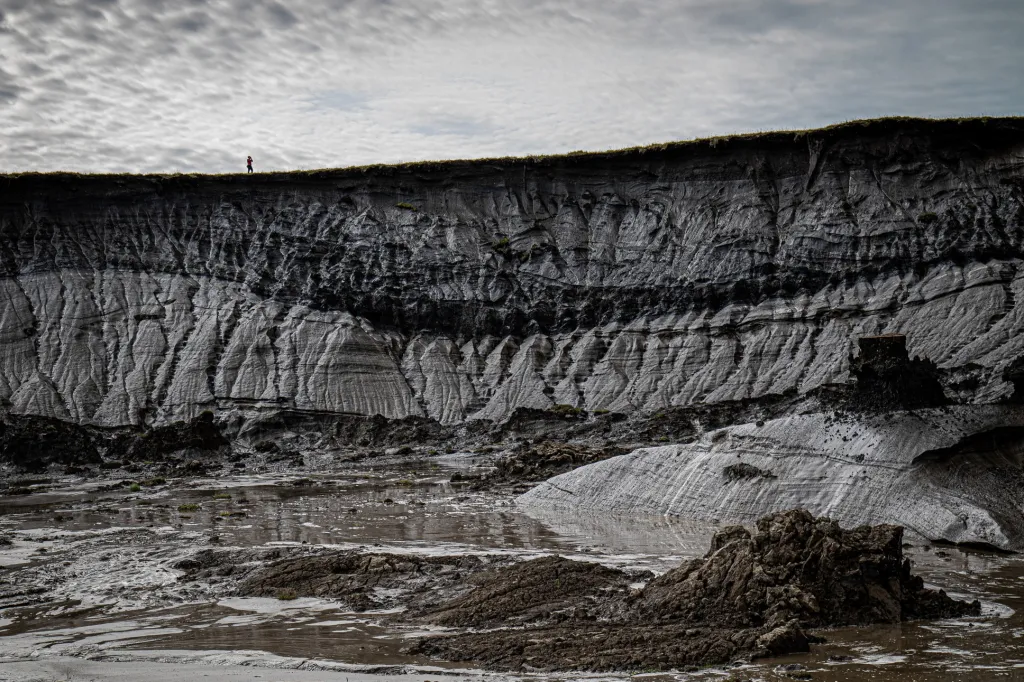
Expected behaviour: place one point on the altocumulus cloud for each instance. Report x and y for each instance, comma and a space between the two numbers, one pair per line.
195, 85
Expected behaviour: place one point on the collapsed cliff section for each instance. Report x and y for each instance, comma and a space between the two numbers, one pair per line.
949, 474
644, 279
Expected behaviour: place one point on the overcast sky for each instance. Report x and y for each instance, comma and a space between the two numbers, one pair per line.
196, 85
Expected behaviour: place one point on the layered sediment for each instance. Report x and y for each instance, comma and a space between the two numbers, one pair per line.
640, 280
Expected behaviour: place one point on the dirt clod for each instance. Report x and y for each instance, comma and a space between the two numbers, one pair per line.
744, 471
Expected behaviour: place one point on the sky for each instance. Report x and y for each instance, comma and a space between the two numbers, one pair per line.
196, 85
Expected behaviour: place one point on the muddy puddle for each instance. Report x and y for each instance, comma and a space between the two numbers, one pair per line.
90, 577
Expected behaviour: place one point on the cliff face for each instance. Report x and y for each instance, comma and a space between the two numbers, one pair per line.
626, 281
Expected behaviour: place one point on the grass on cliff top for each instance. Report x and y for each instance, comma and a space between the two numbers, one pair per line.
874, 125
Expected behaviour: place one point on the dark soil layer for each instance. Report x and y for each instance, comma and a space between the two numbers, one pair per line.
671, 425
750, 596
350, 429
179, 440
538, 438
356, 578
32, 444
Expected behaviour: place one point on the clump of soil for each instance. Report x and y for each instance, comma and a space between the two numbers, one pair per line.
750, 596
802, 568
744, 471
368, 581
670, 425
539, 462
180, 441
34, 444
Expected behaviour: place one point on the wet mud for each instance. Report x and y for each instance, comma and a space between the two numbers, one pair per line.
751, 596
528, 463
386, 565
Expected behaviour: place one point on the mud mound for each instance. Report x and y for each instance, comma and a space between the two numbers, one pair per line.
798, 567
367, 581
550, 588
196, 438
215, 564
751, 596
32, 444
744, 472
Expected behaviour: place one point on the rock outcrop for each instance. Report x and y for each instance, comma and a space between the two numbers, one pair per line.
946, 473
692, 273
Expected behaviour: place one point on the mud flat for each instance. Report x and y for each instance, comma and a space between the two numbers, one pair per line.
750, 597
384, 566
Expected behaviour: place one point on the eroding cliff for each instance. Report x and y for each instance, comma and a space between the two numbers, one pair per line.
636, 280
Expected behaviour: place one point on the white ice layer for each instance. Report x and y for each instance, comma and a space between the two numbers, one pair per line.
114, 347
920, 469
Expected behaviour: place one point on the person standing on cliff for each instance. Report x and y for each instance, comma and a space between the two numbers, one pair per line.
248, 163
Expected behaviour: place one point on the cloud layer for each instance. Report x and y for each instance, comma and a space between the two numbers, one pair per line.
196, 85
